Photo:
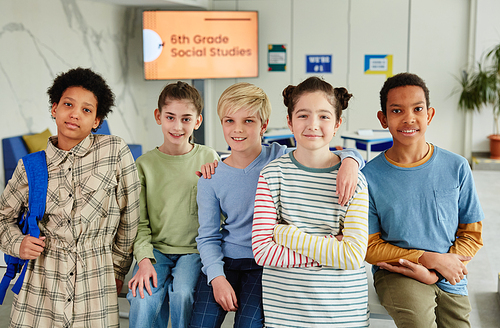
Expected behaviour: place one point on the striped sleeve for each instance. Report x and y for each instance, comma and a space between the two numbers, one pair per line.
349, 253
265, 250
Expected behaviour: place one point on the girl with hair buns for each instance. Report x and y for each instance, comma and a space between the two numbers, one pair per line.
312, 248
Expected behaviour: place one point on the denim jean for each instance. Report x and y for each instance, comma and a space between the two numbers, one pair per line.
245, 276
177, 276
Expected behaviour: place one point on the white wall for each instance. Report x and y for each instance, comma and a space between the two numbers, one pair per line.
377, 27
487, 35
438, 52
426, 37
39, 40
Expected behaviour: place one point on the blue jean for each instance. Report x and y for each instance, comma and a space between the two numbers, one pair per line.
177, 276
245, 276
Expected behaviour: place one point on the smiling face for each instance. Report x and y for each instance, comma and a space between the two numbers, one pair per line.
313, 121
178, 120
243, 131
407, 116
75, 116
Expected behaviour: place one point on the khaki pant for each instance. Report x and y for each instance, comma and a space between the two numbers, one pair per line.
413, 304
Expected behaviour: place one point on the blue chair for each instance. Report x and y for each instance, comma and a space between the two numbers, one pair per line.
377, 147
14, 148
135, 149
103, 129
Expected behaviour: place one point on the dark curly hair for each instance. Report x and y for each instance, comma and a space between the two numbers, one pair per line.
337, 97
89, 80
402, 80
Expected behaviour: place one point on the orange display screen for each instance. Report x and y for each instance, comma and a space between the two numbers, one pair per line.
200, 44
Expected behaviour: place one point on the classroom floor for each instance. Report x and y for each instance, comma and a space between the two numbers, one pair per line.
483, 269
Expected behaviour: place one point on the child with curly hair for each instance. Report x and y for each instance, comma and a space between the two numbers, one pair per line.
84, 251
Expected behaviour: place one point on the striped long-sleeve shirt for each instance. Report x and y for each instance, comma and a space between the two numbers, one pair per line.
309, 276
286, 245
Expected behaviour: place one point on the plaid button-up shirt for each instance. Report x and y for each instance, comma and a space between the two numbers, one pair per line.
90, 224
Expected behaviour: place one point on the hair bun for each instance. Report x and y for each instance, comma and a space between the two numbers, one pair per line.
342, 96
287, 95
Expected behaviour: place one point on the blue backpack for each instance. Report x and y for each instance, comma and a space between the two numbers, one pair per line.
36, 170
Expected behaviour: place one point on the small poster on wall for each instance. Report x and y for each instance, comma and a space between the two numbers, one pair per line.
318, 64
378, 64
276, 57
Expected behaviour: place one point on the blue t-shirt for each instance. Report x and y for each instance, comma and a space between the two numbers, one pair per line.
420, 207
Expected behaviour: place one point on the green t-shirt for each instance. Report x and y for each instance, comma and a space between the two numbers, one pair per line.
169, 212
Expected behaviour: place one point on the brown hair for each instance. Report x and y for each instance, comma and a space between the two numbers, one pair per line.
337, 97
180, 91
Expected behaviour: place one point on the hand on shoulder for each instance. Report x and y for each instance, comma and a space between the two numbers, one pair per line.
207, 170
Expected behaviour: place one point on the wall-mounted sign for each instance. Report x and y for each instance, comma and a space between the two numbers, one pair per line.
276, 57
378, 64
200, 44
318, 63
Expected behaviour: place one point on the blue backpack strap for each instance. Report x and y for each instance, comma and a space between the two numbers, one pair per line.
36, 170
35, 165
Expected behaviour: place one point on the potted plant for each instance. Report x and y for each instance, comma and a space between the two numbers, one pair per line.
481, 88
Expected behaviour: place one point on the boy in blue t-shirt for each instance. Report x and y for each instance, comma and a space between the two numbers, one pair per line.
425, 216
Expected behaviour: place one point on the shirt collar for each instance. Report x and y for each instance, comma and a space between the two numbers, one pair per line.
56, 155
426, 158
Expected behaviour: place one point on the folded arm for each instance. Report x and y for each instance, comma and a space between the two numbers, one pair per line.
469, 239
451, 265
380, 250
265, 250
346, 254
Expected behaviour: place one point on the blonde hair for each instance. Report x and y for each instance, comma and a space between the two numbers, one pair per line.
244, 96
